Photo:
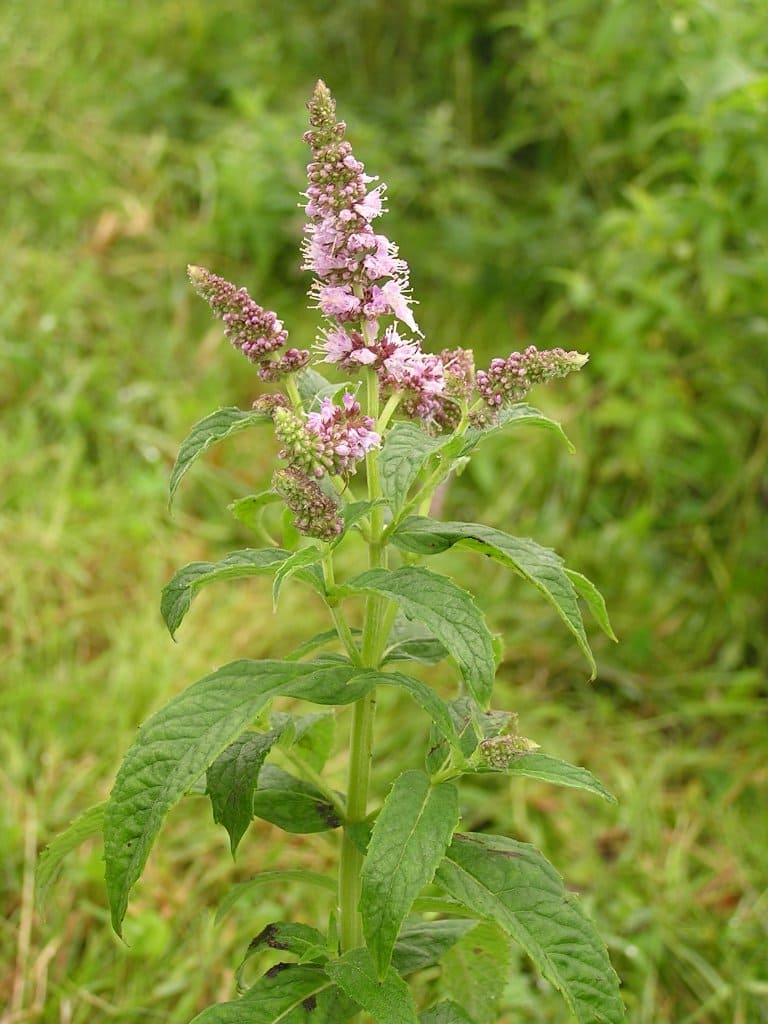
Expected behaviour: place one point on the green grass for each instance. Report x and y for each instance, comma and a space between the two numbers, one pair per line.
573, 173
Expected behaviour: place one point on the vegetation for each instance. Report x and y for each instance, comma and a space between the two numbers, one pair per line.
580, 173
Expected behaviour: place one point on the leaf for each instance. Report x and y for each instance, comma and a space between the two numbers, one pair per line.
250, 510
311, 735
184, 738
512, 884
445, 1012
307, 943
388, 1001
437, 709
181, 589
539, 565
424, 649
476, 969
292, 566
403, 455
231, 781
446, 610
424, 944
286, 994
292, 804
244, 889
408, 841
517, 415
594, 599
354, 512
561, 773
207, 432
314, 387
85, 826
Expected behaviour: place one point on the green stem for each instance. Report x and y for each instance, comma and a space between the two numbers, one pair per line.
341, 624
361, 738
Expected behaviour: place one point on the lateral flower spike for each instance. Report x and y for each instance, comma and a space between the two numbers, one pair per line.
502, 751
316, 513
253, 330
509, 380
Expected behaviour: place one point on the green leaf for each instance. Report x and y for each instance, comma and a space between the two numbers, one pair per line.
437, 709
408, 841
292, 566
425, 943
512, 884
403, 455
561, 773
231, 781
250, 510
354, 512
184, 738
476, 969
517, 415
314, 387
424, 649
311, 735
85, 826
286, 994
388, 1001
182, 588
540, 566
449, 612
243, 890
446, 1012
307, 943
210, 430
594, 599
292, 804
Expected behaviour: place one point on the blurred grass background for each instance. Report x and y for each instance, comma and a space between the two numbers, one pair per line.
575, 172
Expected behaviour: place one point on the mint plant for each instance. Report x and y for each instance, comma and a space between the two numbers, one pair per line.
362, 455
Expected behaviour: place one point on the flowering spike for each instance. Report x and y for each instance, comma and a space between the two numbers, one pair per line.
255, 331
502, 751
510, 380
316, 513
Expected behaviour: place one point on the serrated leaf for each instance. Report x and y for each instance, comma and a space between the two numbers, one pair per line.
512, 884
434, 705
303, 941
184, 738
292, 804
388, 1001
405, 451
445, 1012
311, 735
560, 773
287, 994
178, 593
517, 415
595, 601
539, 565
408, 841
292, 566
424, 649
447, 611
354, 512
475, 970
231, 781
425, 943
314, 387
207, 432
250, 510
243, 890
85, 826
